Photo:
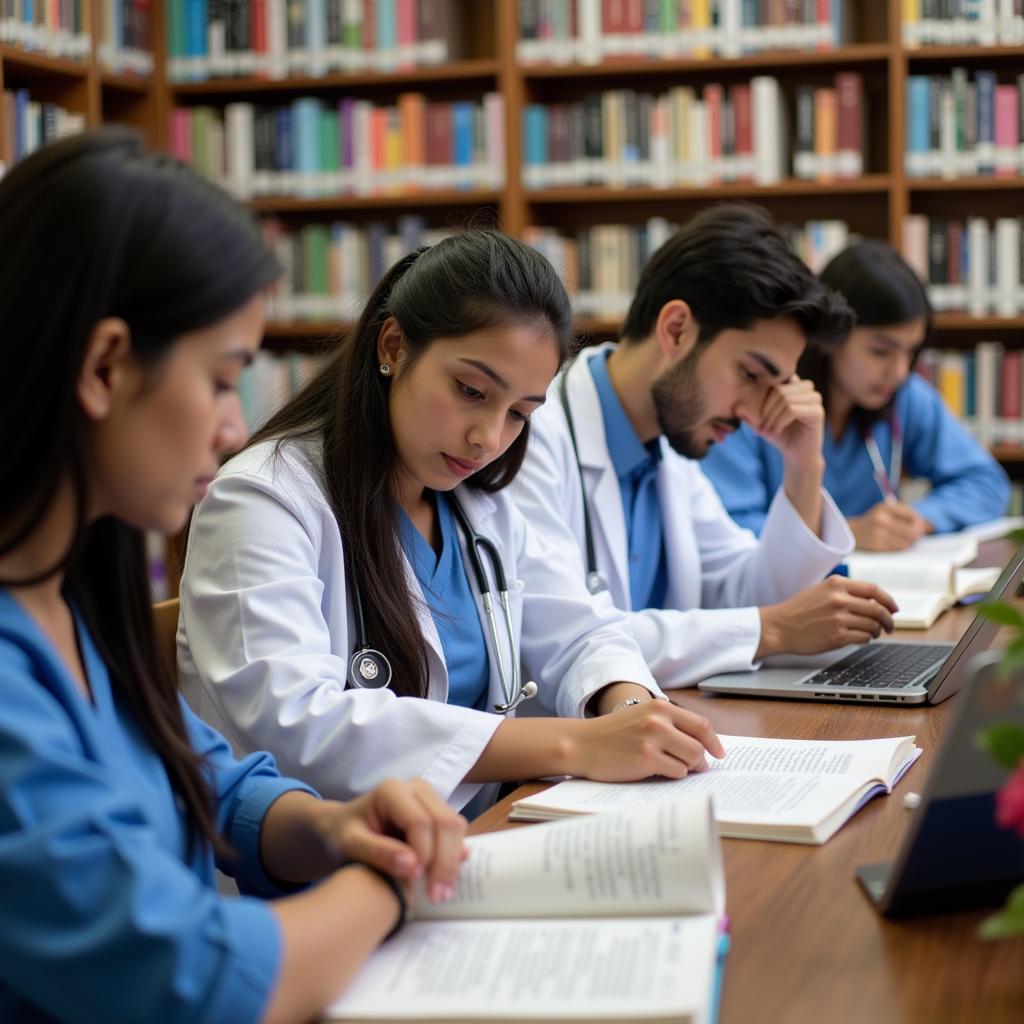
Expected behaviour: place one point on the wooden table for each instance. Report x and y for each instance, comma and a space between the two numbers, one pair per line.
806, 944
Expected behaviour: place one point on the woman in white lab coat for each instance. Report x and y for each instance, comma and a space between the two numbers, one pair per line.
328, 558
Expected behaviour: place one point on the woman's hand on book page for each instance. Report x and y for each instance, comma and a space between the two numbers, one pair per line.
830, 614
654, 738
888, 526
405, 829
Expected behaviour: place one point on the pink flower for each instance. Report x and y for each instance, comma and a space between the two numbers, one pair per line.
1010, 802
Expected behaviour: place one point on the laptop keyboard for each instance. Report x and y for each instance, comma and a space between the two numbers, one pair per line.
887, 666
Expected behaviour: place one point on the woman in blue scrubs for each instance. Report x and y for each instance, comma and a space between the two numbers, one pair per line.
131, 298
883, 421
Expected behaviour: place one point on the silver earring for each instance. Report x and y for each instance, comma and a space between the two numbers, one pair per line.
385, 369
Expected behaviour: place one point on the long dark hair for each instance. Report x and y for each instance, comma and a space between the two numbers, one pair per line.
468, 282
91, 227
882, 289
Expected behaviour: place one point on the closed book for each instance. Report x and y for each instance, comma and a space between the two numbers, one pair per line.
825, 132
918, 163
938, 264
805, 161
744, 131
985, 82
850, 124
1006, 127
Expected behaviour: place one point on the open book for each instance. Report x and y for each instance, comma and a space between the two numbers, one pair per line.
924, 582
797, 791
607, 919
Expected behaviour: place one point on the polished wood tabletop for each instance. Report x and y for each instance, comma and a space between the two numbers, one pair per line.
807, 946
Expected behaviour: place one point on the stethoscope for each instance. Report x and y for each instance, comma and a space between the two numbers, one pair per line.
888, 482
595, 581
369, 669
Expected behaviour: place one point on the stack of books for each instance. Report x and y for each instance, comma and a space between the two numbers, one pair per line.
830, 135
592, 31
601, 264
270, 380
314, 148
126, 41
330, 269
958, 128
970, 266
57, 29
28, 123
683, 137
962, 23
982, 388
275, 38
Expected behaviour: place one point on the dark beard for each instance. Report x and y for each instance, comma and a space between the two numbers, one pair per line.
680, 407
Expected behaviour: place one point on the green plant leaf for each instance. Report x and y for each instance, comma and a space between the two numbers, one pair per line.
1008, 921
1012, 659
1004, 743
1002, 612
1017, 536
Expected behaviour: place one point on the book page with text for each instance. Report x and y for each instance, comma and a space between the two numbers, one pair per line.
651, 859
786, 782
599, 969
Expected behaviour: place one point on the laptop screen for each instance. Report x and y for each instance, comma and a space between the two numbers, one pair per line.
979, 634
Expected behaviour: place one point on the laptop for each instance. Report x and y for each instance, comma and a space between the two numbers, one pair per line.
882, 671
954, 855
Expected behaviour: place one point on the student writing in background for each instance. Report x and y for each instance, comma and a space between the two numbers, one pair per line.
721, 314
345, 553
883, 420
131, 297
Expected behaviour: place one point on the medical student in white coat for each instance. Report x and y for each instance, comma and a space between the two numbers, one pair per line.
331, 606
721, 314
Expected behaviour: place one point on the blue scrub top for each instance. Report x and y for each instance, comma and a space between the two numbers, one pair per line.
105, 915
452, 606
636, 466
968, 485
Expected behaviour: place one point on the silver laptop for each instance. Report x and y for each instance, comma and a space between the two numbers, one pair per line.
882, 671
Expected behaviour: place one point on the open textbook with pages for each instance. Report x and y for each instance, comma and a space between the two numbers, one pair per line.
798, 791
608, 918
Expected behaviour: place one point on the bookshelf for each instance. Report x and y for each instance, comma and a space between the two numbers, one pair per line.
86, 86
874, 203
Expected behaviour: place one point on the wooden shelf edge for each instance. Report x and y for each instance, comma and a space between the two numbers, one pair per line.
964, 322
880, 183
295, 204
31, 60
943, 53
859, 53
457, 71
965, 184
125, 83
1007, 452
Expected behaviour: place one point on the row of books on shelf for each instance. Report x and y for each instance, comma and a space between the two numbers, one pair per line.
125, 44
276, 38
601, 264
312, 148
27, 124
982, 387
330, 269
270, 380
691, 137
57, 29
957, 128
971, 266
592, 31
962, 22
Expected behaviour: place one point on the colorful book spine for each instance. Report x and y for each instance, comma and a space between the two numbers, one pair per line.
275, 38
311, 149
30, 123
56, 29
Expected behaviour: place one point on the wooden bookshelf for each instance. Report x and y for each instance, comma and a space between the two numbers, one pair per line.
873, 204
88, 86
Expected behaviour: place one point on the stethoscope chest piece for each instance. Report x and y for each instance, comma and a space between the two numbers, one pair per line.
596, 583
369, 669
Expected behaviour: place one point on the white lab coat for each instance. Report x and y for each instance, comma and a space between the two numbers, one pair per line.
718, 573
266, 632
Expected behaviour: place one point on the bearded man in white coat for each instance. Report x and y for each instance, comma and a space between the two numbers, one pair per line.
721, 314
